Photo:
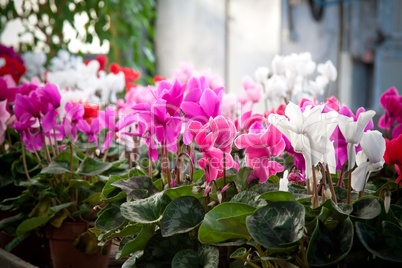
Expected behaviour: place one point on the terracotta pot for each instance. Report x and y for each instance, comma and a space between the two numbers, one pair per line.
65, 254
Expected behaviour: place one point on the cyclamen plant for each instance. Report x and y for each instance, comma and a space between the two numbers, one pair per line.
190, 185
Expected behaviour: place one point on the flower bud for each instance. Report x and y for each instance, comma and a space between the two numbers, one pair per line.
387, 201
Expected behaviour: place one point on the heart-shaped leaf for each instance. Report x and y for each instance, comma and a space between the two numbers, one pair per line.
133, 184
182, 215
208, 256
92, 167
148, 210
138, 243
277, 225
249, 198
330, 246
213, 231
366, 208
277, 196
186, 190
185, 258
386, 245
109, 217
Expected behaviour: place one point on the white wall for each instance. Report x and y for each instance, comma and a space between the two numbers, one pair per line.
194, 31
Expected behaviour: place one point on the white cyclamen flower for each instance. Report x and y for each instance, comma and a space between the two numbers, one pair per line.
284, 182
369, 159
328, 70
353, 132
279, 65
308, 132
35, 62
261, 74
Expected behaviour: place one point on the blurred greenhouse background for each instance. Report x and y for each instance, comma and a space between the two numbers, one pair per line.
363, 38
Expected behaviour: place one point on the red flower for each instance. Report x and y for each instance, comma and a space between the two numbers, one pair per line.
90, 111
13, 67
158, 78
130, 74
102, 59
393, 155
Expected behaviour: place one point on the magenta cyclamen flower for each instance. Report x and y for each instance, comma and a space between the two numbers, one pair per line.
108, 119
201, 102
391, 101
215, 142
260, 146
91, 130
162, 116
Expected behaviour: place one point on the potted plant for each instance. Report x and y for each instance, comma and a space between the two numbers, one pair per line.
62, 185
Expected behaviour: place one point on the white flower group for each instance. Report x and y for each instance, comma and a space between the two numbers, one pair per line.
290, 78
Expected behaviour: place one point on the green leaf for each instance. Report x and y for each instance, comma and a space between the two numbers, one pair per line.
241, 178
273, 179
131, 229
213, 231
198, 174
147, 210
16, 241
385, 245
138, 243
240, 253
54, 168
208, 256
182, 215
109, 217
338, 212
277, 196
186, 190
366, 208
261, 188
31, 224
112, 193
131, 186
159, 251
92, 167
277, 225
185, 258
57, 208
249, 198
328, 247
76, 183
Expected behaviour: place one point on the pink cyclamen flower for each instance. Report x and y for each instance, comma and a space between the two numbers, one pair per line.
215, 141
91, 130
259, 148
108, 120
4, 116
251, 91
201, 102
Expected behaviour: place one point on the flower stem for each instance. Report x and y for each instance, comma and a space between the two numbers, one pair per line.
331, 185
261, 254
224, 176
55, 142
315, 194
24, 161
349, 186
71, 156
364, 187
165, 156
105, 155
38, 157
47, 154
340, 181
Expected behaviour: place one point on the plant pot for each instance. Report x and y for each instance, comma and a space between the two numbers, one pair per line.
65, 254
